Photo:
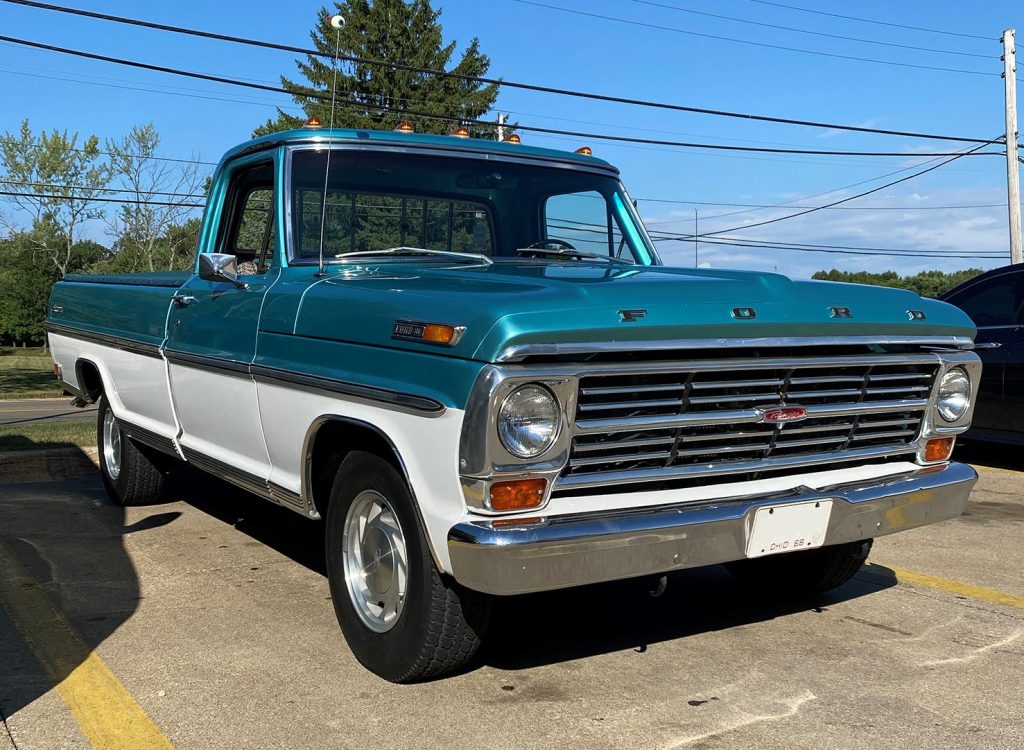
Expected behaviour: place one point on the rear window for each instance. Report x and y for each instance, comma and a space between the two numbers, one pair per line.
363, 221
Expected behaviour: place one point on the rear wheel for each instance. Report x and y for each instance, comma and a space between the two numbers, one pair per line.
402, 619
802, 573
130, 476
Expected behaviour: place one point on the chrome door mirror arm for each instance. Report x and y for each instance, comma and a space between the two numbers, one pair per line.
220, 267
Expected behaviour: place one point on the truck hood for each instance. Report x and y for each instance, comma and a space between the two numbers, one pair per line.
506, 306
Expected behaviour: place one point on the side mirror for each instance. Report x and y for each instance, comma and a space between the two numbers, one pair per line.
220, 267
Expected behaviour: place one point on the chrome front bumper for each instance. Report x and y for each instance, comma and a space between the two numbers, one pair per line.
587, 548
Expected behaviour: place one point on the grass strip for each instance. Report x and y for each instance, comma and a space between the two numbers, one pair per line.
79, 433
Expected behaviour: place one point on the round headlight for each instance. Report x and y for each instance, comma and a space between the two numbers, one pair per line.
528, 421
954, 395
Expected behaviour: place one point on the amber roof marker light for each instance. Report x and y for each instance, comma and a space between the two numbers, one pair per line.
585, 150
460, 132
313, 122
512, 138
405, 127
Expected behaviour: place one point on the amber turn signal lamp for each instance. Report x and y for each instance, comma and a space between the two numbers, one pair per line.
405, 127
518, 495
585, 150
313, 122
461, 132
938, 449
512, 138
438, 334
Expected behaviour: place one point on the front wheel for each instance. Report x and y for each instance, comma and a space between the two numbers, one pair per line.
402, 619
129, 475
802, 573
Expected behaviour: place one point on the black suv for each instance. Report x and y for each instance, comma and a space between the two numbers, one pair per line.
995, 302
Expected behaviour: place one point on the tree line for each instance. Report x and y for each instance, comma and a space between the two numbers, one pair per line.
926, 283
62, 189
59, 185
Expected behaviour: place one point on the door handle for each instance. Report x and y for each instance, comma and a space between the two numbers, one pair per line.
183, 300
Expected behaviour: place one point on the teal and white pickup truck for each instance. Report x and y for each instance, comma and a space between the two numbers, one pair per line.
467, 358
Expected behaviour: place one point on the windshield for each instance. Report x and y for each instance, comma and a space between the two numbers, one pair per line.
381, 201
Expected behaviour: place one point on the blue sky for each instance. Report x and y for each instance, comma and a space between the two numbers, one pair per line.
552, 47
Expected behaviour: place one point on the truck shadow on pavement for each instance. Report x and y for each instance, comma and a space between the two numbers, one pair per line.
63, 562
537, 629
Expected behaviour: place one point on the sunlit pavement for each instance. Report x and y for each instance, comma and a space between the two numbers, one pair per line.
207, 621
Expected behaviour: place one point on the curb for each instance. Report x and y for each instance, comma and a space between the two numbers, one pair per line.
49, 465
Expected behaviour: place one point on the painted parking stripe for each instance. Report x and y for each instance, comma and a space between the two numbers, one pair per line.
105, 711
958, 588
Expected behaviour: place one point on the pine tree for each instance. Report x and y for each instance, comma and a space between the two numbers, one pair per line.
367, 95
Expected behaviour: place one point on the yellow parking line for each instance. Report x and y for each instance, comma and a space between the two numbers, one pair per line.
106, 712
980, 593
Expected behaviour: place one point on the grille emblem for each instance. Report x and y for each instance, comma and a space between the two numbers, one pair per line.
840, 312
783, 414
631, 316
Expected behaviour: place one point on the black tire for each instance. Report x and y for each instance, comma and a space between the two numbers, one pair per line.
440, 625
137, 480
802, 573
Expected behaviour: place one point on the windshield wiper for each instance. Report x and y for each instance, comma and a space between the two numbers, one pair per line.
405, 250
567, 253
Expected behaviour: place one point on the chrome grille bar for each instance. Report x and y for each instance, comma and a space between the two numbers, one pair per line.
633, 476
687, 421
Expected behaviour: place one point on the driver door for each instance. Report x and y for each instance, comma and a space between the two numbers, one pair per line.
212, 336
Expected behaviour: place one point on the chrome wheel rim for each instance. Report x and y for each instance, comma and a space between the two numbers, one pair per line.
111, 445
376, 561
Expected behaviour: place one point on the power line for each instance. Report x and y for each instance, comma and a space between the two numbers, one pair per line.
837, 208
466, 120
483, 79
778, 244
812, 33
850, 198
768, 246
751, 42
591, 228
90, 199
874, 21
56, 186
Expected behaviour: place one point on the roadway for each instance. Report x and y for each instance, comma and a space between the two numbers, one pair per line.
38, 410
207, 622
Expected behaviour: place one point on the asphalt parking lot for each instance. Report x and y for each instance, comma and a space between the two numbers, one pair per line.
205, 622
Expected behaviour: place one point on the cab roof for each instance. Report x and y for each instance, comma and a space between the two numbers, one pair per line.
415, 141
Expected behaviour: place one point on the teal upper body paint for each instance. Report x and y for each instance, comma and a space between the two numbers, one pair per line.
339, 323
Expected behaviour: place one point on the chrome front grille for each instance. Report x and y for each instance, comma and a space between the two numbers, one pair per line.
699, 422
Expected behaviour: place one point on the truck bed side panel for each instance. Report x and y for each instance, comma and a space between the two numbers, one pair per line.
118, 326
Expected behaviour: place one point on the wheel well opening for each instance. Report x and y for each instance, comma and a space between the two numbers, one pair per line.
334, 440
89, 381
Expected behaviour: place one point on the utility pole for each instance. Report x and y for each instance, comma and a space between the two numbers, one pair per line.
502, 119
1012, 172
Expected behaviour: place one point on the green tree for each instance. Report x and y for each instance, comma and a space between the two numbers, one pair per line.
925, 283
55, 180
162, 196
26, 275
367, 95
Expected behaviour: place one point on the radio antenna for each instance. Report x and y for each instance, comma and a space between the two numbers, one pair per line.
337, 23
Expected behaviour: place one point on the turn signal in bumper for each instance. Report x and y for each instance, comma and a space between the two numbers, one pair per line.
518, 495
938, 449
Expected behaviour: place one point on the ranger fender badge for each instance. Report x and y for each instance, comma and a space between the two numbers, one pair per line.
631, 316
840, 312
782, 414
916, 315
744, 313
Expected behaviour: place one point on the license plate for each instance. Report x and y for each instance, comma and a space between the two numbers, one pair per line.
789, 527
